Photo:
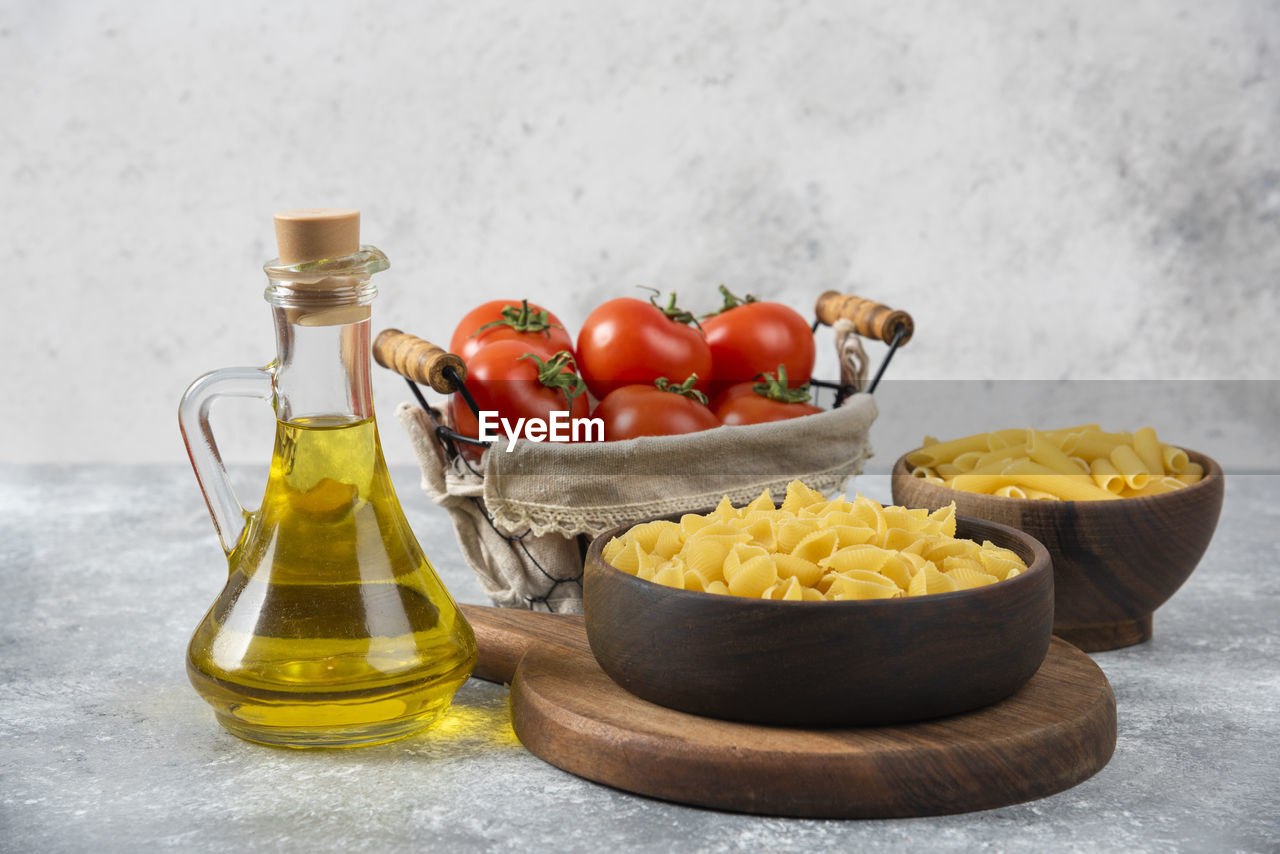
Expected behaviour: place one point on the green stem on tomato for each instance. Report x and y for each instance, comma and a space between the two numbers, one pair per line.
671, 311
775, 388
557, 373
731, 300
523, 319
685, 389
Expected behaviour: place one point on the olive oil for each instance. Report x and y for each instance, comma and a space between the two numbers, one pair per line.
333, 629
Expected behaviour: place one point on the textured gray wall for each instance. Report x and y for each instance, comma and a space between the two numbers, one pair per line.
1059, 191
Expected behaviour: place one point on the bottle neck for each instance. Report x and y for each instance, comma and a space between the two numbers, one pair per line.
321, 311
322, 372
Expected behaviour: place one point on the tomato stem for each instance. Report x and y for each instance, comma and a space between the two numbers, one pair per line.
557, 373
523, 319
671, 310
731, 300
685, 389
775, 388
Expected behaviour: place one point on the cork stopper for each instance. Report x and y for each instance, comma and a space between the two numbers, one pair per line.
311, 234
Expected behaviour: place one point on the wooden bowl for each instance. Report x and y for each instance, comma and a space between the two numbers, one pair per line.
822, 663
1114, 562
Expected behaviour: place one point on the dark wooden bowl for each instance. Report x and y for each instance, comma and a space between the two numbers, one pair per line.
1114, 562
822, 663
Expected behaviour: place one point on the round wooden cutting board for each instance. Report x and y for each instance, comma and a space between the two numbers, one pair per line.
1058, 730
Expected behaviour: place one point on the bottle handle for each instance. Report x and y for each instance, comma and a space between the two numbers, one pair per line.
229, 515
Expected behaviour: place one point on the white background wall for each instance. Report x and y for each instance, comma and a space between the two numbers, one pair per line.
1057, 192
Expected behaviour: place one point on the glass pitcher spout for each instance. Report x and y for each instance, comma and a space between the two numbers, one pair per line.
333, 629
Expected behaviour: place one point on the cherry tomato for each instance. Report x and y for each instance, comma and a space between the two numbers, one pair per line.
518, 381
748, 338
508, 320
770, 400
658, 409
628, 341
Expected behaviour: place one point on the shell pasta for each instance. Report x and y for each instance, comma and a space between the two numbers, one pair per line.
811, 549
1083, 463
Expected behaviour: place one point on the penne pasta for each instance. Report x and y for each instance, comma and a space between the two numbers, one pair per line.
1081, 463
1040, 495
997, 466
1131, 467
1042, 449
987, 483
1009, 452
1066, 487
947, 451
1192, 473
1147, 447
1158, 486
1060, 435
1106, 475
1031, 467
1175, 459
1005, 438
1092, 444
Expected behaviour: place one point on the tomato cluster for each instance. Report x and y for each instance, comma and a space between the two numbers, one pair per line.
654, 369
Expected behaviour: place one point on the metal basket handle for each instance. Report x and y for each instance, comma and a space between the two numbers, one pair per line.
870, 319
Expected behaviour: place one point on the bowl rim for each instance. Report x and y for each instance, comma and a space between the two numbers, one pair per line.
1213, 472
1041, 563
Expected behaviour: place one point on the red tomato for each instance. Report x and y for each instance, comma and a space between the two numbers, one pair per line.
500, 377
628, 341
747, 403
514, 320
748, 338
655, 410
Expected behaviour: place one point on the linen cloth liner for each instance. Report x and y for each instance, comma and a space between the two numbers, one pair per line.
551, 492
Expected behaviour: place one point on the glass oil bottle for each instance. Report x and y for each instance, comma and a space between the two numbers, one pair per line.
333, 629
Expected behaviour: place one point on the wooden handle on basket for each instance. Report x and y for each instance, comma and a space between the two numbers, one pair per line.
416, 359
871, 319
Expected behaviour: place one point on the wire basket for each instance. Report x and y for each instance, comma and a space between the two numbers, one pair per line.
524, 512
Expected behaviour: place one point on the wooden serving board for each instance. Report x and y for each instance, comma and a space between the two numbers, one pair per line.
1058, 730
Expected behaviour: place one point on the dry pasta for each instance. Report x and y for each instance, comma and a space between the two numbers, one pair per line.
1082, 463
811, 549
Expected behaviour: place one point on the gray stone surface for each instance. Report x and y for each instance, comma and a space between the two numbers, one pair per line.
104, 746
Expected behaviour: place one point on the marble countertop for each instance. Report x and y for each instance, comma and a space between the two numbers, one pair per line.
104, 746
